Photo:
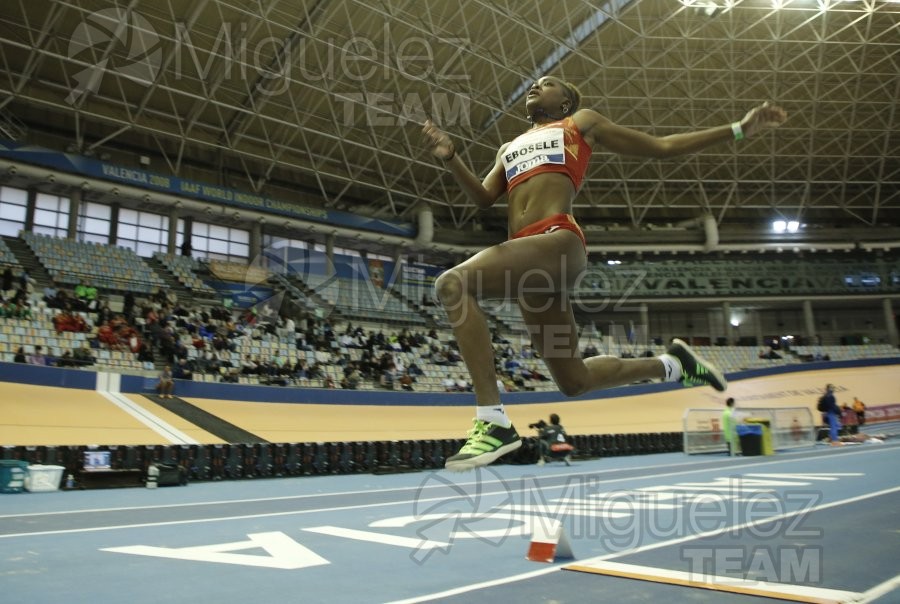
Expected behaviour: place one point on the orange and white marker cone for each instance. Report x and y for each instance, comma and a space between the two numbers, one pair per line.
548, 541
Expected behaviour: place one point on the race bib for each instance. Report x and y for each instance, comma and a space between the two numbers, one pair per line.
532, 149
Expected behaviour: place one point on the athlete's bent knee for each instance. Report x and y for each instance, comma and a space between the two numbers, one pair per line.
449, 288
572, 386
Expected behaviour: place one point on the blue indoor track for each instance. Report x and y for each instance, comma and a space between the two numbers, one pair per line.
827, 518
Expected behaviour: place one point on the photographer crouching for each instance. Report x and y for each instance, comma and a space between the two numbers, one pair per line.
552, 441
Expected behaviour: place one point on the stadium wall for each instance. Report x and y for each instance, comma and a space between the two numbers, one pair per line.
796, 384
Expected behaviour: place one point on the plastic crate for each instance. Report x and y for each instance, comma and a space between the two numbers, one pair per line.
12, 475
41, 479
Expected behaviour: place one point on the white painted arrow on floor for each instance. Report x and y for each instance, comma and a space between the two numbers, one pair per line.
283, 552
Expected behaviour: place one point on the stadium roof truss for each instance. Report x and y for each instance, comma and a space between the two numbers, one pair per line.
321, 100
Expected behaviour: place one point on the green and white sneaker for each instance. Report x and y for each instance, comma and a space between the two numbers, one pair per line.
695, 371
486, 443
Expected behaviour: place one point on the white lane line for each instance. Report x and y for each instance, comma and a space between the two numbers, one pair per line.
108, 387
870, 595
476, 586
170, 433
422, 487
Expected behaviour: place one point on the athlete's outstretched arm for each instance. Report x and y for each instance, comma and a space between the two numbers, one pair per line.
483, 193
625, 141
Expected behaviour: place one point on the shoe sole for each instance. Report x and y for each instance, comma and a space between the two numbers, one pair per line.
713, 370
464, 465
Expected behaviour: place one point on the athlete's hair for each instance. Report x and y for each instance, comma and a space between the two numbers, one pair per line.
573, 94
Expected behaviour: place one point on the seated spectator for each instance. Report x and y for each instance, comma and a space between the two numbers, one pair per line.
121, 336
279, 361
249, 366
145, 354
134, 341
507, 384
18, 309
128, 305
51, 358
462, 385
449, 384
69, 321
511, 365
66, 360
518, 380
82, 356
179, 350
406, 382
50, 294
26, 284
20, 356
351, 380
7, 283
387, 378
315, 371
38, 357
213, 363
166, 383
301, 370
231, 376
57, 298
86, 295
438, 358
198, 342
104, 313
206, 331
397, 363
221, 343
182, 371
530, 373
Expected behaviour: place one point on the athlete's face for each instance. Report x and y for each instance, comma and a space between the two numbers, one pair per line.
548, 94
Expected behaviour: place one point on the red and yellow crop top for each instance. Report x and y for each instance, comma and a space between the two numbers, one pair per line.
554, 147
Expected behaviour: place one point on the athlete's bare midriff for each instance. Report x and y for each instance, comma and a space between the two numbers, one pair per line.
539, 197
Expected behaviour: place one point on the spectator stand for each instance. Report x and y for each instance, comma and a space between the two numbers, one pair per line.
102, 266
183, 269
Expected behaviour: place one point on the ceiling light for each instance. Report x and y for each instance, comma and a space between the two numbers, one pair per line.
779, 226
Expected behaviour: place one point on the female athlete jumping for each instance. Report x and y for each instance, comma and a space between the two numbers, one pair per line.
541, 171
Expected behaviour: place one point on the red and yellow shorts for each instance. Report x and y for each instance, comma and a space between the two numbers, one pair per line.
551, 224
